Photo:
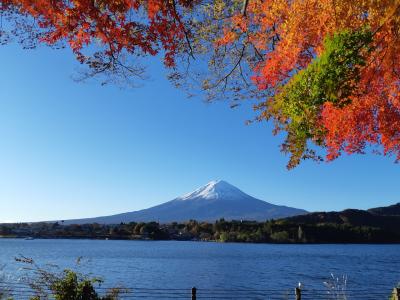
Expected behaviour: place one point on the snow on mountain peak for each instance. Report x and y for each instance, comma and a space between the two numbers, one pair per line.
216, 189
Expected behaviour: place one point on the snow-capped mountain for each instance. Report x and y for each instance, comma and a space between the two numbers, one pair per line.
217, 199
217, 189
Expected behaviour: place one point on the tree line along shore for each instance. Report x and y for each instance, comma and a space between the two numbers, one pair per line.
350, 226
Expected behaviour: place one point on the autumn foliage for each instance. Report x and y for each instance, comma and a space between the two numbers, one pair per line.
135, 27
332, 69
328, 70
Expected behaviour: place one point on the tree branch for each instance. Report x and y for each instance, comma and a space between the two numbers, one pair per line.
244, 8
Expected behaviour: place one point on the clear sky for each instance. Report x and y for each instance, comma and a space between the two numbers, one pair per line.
73, 150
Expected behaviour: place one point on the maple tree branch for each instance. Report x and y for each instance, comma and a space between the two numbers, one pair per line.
237, 64
242, 75
390, 15
244, 8
191, 52
258, 53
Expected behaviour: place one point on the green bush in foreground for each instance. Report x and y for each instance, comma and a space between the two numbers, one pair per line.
64, 285
72, 287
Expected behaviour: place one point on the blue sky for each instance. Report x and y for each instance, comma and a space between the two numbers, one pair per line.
72, 150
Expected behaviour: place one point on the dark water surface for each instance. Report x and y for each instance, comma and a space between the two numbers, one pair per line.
172, 264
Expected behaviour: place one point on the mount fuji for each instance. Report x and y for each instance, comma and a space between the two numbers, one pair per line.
213, 201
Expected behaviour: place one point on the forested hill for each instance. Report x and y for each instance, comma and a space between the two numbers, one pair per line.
392, 210
375, 218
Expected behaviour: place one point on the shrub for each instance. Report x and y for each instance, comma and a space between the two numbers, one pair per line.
65, 285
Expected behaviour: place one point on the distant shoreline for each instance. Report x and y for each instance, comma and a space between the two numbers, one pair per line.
251, 243
195, 241
317, 228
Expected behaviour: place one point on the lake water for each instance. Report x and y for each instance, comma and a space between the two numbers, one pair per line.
270, 269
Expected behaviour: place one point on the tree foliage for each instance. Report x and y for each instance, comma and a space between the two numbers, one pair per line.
329, 78
331, 69
103, 34
326, 72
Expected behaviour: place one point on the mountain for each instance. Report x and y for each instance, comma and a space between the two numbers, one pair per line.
351, 217
354, 217
392, 210
215, 200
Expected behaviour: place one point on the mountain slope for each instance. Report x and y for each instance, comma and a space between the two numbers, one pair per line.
392, 210
215, 200
349, 217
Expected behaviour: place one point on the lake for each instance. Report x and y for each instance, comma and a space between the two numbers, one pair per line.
268, 269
